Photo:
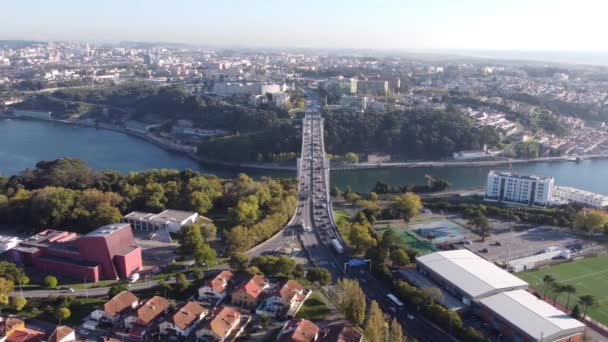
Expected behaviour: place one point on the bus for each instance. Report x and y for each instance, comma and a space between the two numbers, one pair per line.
394, 300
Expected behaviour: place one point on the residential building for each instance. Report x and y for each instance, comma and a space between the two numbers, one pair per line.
343, 333
141, 319
215, 290
339, 85
63, 334
564, 194
299, 330
108, 252
112, 309
26, 335
354, 103
249, 293
9, 325
172, 220
184, 320
466, 275
519, 189
372, 87
287, 297
521, 316
224, 322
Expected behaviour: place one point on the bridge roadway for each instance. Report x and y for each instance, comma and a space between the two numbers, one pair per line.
313, 225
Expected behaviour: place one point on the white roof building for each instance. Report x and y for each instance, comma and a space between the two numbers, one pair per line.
533, 319
574, 195
467, 275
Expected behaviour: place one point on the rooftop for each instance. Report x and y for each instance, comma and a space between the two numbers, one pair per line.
537, 318
224, 321
107, 229
188, 314
516, 175
471, 273
119, 303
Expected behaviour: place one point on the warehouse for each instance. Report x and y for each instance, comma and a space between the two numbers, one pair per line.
521, 316
466, 275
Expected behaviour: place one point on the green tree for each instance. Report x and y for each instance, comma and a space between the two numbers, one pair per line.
190, 239
360, 237
182, 282
18, 303
399, 258
104, 214
407, 205
62, 313
373, 196
481, 224
396, 331
576, 311
548, 281
351, 158
374, 323
198, 274
205, 255
319, 274
587, 301
50, 282
238, 261
591, 220
116, 289
570, 290
351, 300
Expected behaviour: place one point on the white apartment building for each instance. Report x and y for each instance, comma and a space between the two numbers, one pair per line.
564, 194
519, 189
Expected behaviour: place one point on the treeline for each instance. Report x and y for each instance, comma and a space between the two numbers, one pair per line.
265, 146
417, 134
164, 103
435, 185
66, 194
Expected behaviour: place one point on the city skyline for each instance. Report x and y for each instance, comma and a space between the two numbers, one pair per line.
386, 24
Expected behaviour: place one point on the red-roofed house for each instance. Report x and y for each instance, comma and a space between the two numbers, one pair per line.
26, 335
215, 290
63, 334
250, 292
145, 315
287, 297
184, 320
225, 321
114, 307
299, 330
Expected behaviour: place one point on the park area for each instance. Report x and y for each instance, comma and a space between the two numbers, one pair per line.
407, 239
588, 276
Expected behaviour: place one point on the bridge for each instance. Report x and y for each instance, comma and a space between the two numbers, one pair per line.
314, 227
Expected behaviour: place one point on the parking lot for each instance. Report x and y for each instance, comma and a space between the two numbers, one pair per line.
444, 230
514, 245
155, 253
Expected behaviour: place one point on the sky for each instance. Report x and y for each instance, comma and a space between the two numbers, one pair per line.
557, 25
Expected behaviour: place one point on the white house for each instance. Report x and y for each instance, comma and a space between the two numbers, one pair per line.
184, 320
111, 310
172, 220
215, 290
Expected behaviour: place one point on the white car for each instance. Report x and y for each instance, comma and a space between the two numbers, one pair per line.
410, 316
83, 332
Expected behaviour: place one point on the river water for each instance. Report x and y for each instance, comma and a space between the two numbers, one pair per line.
24, 143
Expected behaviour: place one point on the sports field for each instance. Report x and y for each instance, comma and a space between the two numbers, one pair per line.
589, 276
409, 240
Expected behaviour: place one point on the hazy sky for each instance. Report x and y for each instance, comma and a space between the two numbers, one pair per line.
399, 24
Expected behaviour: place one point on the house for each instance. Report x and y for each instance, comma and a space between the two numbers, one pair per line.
26, 335
184, 320
288, 296
9, 325
343, 333
248, 293
215, 290
299, 330
172, 220
145, 315
114, 307
224, 322
63, 334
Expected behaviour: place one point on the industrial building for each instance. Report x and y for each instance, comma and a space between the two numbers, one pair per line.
109, 252
521, 316
466, 275
513, 188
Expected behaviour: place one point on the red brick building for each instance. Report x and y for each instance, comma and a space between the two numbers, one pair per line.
109, 252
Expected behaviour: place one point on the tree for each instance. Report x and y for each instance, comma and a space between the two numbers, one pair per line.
360, 237
351, 300
319, 274
399, 258
205, 255
352, 197
395, 331
407, 205
62, 313
374, 323
431, 294
587, 301
576, 311
481, 224
569, 289
591, 220
373, 196
335, 192
104, 214
18, 303
50, 282
238, 261
182, 282
557, 290
116, 289
208, 231
548, 281
351, 158
190, 239
198, 274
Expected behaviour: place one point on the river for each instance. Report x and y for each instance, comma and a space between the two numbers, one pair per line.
23, 143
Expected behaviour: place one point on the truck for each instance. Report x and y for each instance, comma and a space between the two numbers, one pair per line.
337, 246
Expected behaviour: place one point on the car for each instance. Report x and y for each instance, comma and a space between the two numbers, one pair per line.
83, 332
70, 290
410, 316
485, 250
156, 270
